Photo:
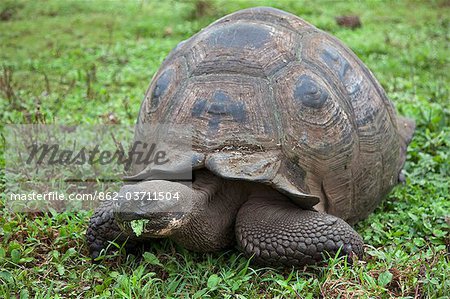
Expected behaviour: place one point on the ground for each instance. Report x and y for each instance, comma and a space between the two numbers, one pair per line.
71, 62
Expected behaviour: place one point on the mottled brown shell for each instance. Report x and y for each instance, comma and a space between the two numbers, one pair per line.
273, 99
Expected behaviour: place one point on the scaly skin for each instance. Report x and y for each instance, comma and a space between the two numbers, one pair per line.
277, 232
102, 229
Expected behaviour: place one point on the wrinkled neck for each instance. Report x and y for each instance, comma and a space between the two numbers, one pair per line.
210, 225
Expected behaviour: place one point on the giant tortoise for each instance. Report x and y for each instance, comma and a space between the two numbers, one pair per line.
293, 141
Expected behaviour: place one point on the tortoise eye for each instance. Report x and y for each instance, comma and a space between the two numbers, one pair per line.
309, 92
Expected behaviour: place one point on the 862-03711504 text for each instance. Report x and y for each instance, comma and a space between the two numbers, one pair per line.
102, 196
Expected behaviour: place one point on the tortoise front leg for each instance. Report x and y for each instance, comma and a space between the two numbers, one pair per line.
104, 229
275, 231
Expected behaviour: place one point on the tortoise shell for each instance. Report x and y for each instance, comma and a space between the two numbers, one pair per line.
272, 99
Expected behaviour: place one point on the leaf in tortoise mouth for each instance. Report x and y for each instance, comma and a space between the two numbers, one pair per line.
138, 226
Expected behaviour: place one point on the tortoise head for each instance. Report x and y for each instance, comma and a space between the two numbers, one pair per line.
153, 209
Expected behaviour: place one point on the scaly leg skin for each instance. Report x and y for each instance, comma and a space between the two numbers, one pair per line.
275, 231
103, 229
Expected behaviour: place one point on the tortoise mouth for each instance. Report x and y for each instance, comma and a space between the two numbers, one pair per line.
150, 216
152, 225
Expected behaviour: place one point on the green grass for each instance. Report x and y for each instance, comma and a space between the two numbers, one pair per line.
71, 62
